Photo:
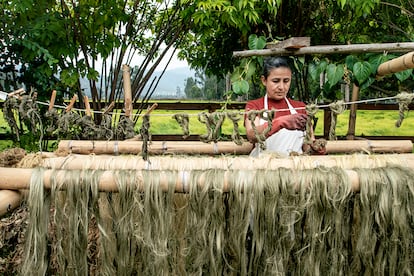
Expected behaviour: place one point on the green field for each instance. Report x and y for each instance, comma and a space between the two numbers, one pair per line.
369, 123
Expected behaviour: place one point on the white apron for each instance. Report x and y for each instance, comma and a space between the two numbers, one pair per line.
282, 142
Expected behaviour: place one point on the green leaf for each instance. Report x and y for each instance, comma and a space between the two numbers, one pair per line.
334, 74
362, 70
350, 61
367, 83
313, 71
236, 75
403, 75
241, 87
256, 43
376, 61
251, 70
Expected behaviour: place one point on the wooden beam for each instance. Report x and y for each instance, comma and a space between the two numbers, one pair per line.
17, 178
219, 148
290, 43
331, 49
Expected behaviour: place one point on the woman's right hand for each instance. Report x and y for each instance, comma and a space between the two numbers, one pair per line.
292, 122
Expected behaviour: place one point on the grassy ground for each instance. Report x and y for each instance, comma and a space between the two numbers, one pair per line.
369, 123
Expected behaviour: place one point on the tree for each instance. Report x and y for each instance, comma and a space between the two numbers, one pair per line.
191, 89
56, 43
221, 27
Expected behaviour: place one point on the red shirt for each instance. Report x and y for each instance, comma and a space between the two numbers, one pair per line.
258, 104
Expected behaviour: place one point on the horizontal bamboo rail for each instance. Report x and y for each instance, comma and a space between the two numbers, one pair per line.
9, 200
222, 147
331, 49
19, 179
182, 162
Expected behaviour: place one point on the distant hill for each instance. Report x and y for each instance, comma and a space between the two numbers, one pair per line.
173, 78
167, 86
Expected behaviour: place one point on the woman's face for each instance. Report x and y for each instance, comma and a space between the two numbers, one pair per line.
277, 83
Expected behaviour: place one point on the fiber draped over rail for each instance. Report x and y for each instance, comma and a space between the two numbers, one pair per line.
185, 162
268, 222
18, 179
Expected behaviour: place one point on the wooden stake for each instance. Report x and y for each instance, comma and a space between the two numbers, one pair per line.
52, 100
353, 113
109, 108
152, 108
87, 106
71, 103
127, 89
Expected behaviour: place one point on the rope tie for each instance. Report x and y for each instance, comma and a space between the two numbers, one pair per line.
105, 130
337, 107
311, 110
235, 136
213, 122
261, 137
144, 131
125, 128
404, 99
183, 120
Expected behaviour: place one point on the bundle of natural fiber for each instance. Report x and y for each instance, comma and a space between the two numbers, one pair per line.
258, 222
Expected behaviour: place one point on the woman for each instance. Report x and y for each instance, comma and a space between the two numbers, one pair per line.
289, 122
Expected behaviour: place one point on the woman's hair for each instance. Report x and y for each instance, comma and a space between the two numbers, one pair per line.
271, 63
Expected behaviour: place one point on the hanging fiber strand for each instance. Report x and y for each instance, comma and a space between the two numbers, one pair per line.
261, 137
183, 120
280, 221
213, 122
236, 137
337, 107
404, 99
311, 110
145, 135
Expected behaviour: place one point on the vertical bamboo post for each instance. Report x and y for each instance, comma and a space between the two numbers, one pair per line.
87, 106
126, 75
71, 103
327, 113
52, 100
352, 114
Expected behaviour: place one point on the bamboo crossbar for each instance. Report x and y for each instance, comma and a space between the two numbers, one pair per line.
266, 162
331, 49
222, 147
19, 179
9, 200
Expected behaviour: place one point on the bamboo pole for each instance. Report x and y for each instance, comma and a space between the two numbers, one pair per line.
87, 106
331, 49
353, 113
17, 178
52, 100
9, 200
223, 147
155, 147
369, 146
396, 65
71, 103
126, 75
265, 162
